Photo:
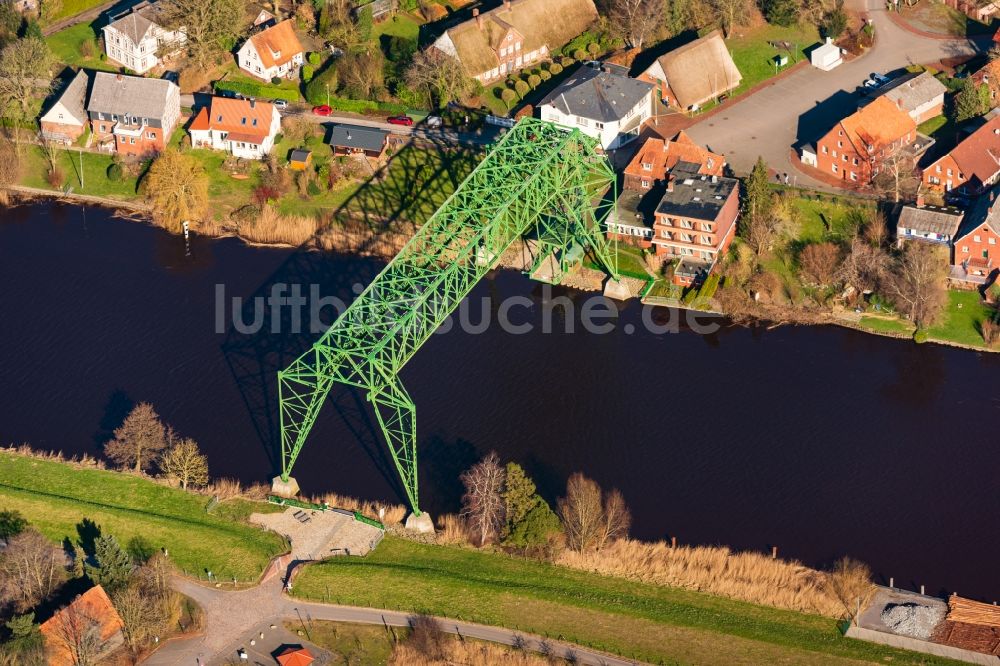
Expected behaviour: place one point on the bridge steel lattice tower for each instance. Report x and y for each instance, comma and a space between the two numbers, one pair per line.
537, 178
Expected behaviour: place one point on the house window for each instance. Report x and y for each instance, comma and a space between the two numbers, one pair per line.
975, 239
840, 144
517, 46
834, 153
503, 52
150, 135
949, 172
854, 176
845, 157
645, 183
938, 168
132, 140
103, 127
824, 150
665, 233
835, 168
510, 37
599, 126
965, 249
992, 241
646, 166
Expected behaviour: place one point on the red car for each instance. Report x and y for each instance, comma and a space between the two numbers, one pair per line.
322, 110
400, 120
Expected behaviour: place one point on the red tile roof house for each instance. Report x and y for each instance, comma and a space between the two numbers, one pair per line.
645, 182
971, 166
132, 115
66, 119
272, 53
977, 243
246, 128
92, 611
855, 147
515, 35
695, 221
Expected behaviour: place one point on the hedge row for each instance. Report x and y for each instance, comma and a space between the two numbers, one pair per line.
359, 105
257, 90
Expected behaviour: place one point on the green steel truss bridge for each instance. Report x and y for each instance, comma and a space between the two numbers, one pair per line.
538, 180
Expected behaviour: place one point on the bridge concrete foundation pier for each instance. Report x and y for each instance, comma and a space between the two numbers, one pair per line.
421, 524
617, 290
282, 488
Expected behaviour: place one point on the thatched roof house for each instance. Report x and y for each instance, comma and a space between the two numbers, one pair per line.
695, 73
515, 35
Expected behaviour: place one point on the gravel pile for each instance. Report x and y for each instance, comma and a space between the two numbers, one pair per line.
912, 619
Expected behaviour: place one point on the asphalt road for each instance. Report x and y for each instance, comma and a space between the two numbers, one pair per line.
232, 619
802, 106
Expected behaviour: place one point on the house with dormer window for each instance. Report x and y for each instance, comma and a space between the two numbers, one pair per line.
272, 53
515, 35
244, 127
138, 41
132, 115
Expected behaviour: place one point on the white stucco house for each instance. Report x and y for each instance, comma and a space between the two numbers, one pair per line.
603, 102
272, 53
137, 41
243, 127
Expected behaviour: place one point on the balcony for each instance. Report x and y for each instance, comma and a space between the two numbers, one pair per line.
132, 131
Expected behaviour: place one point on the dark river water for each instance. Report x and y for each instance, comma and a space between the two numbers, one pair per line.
822, 441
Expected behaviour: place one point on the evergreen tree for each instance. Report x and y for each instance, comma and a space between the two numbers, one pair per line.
12, 523
971, 101
757, 196
518, 495
536, 527
22, 626
114, 565
79, 559
781, 12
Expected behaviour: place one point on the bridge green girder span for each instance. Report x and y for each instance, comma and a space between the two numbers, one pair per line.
538, 179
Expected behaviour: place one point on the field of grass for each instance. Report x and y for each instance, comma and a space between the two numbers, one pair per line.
400, 25
961, 319
883, 325
826, 219
94, 176
55, 497
353, 643
232, 73
933, 126
754, 57
67, 47
645, 622
74, 7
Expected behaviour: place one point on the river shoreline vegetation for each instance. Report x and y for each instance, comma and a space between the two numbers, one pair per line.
578, 576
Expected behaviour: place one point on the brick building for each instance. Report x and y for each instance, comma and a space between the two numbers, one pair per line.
856, 146
971, 166
977, 243
66, 119
132, 115
695, 221
656, 158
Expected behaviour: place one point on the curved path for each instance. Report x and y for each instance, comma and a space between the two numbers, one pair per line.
232, 618
802, 106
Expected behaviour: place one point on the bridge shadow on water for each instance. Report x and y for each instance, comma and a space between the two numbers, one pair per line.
260, 340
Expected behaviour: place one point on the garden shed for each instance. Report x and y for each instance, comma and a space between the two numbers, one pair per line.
827, 56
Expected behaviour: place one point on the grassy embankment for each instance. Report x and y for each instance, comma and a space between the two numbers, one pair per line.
56, 497
754, 55
70, 45
642, 621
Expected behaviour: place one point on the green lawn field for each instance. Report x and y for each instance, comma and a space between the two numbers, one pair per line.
55, 497
646, 622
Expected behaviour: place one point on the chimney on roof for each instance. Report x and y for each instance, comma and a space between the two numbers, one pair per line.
920, 199
253, 102
479, 19
506, 4
670, 182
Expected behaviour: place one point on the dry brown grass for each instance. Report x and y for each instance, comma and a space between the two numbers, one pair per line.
746, 576
84, 460
394, 513
467, 652
270, 226
232, 488
453, 530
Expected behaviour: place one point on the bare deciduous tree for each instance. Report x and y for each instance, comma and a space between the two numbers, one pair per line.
760, 232
139, 439
185, 463
876, 229
918, 284
897, 175
440, 77
819, 262
864, 267
31, 568
24, 64
636, 20
590, 518
78, 633
208, 24
143, 616
731, 13
483, 503
427, 637
363, 74
177, 188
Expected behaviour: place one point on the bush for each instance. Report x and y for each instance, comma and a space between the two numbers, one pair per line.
522, 88
556, 68
920, 336
315, 59
534, 80
508, 96
275, 80
990, 331
313, 189
115, 172
55, 178
307, 73
87, 48
580, 54
258, 90
545, 75
593, 49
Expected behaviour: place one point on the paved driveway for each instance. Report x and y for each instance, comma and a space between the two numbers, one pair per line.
802, 106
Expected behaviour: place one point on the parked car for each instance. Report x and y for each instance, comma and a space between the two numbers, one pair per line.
280, 103
871, 83
322, 110
434, 121
229, 94
880, 78
400, 120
